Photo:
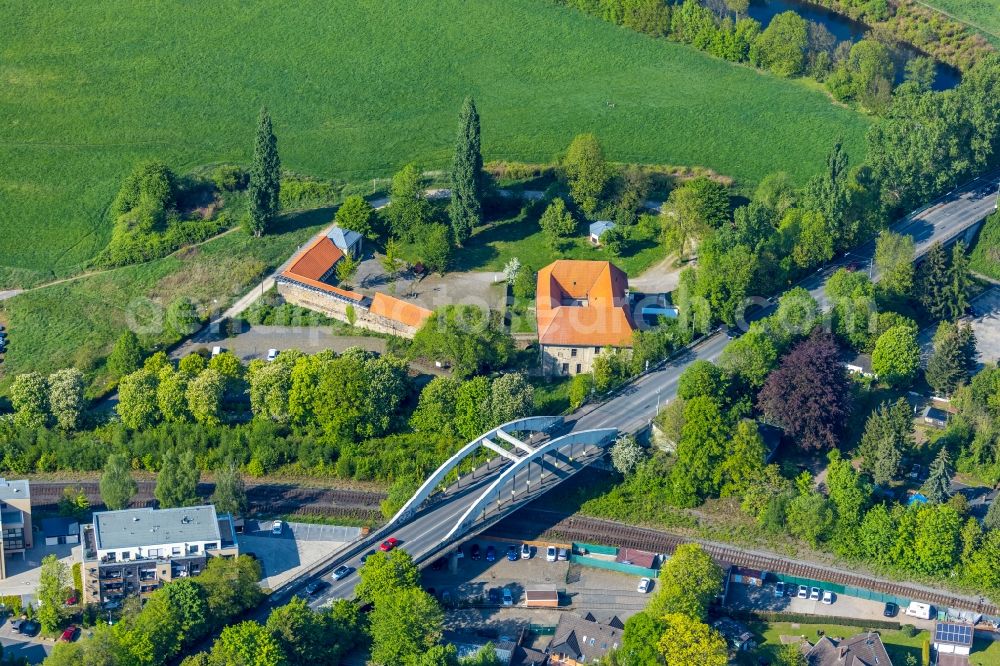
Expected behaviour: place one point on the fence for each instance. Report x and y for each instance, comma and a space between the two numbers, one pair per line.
849, 590
610, 565
583, 548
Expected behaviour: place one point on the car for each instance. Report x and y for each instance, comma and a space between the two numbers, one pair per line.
493, 595
24, 627
389, 544
525, 551
315, 586
827, 597
446, 597
550, 554
803, 592
563, 555
644, 585
68, 634
16, 626
216, 351
364, 558
474, 552
890, 609
343, 571
459, 553
277, 527
508, 597
814, 594
272, 354
779, 589
491, 554
915, 472
72, 600
512, 554
439, 564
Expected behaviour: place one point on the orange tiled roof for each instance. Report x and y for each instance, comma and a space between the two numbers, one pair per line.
314, 261
604, 319
409, 314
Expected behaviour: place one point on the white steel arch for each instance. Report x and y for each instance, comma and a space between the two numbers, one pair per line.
529, 424
599, 437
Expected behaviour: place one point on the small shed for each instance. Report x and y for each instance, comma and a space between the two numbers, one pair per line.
935, 417
639, 558
349, 242
737, 635
61, 530
860, 365
747, 576
598, 229
541, 596
953, 638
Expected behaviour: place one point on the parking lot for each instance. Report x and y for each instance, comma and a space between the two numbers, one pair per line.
298, 546
464, 584
748, 597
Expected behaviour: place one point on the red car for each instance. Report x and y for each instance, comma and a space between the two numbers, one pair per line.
69, 634
389, 544
72, 600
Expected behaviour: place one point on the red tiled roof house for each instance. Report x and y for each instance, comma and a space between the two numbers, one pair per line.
581, 307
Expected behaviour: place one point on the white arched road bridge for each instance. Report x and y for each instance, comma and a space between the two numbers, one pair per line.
534, 454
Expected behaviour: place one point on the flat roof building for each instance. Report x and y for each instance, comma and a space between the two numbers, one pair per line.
134, 551
15, 520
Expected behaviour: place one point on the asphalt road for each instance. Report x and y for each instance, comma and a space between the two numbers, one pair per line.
633, 407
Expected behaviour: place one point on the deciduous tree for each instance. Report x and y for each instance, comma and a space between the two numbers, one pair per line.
204, 396
66, 397
587, 171
386, 574
117, 485
896, 357
177, 480
687, 640
809, 394
137, 407
894, 262
511, 397
246, 644
688, 582
356, 214
626, 455
404, 625
53, 578
557, 222
230, 494
29, 395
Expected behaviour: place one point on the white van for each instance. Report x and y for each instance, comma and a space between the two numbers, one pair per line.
919, 610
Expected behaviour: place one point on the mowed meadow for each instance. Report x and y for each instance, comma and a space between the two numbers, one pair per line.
357, 88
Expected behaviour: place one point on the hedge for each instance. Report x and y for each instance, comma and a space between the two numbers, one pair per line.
802, 618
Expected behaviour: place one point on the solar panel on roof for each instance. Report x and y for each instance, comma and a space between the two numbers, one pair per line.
953, 633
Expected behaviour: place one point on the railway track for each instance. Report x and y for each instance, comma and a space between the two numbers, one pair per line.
566, 527
264, 498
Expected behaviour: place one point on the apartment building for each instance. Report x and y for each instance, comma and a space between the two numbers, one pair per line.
136, 551
15, 520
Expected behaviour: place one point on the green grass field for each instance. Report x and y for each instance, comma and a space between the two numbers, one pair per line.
356, 88
76, 322
981, 14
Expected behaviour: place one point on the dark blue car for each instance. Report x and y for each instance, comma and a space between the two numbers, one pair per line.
491, 554
512, 554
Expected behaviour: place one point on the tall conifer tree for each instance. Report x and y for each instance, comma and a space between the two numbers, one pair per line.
265, 177
466, 210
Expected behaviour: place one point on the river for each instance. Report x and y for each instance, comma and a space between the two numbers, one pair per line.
845, 29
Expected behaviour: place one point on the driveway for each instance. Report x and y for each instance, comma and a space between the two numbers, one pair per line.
299, 545
483, 289
22, 574
659, 279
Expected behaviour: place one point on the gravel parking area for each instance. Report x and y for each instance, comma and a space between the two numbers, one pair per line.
298, 546
747, 597
256, 340
582, 589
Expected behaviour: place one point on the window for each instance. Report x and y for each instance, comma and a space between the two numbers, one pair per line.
597, 350
572, 352
193, 548
565, 367
155, 552
126, 555
578, 368
176, 550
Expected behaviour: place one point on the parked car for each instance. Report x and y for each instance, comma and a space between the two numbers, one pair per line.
389, 544
315, 586
493, 595
508, 597
512, 554
474, 551
68, 634
550, 554
814, 594
563, 555
827, 597
803, 592
491, 554
72, 600
439, 564
216, 351
890, 609
342, 572
272, 354
644, 585
459, 553
277, 527
779, 589
525, 551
